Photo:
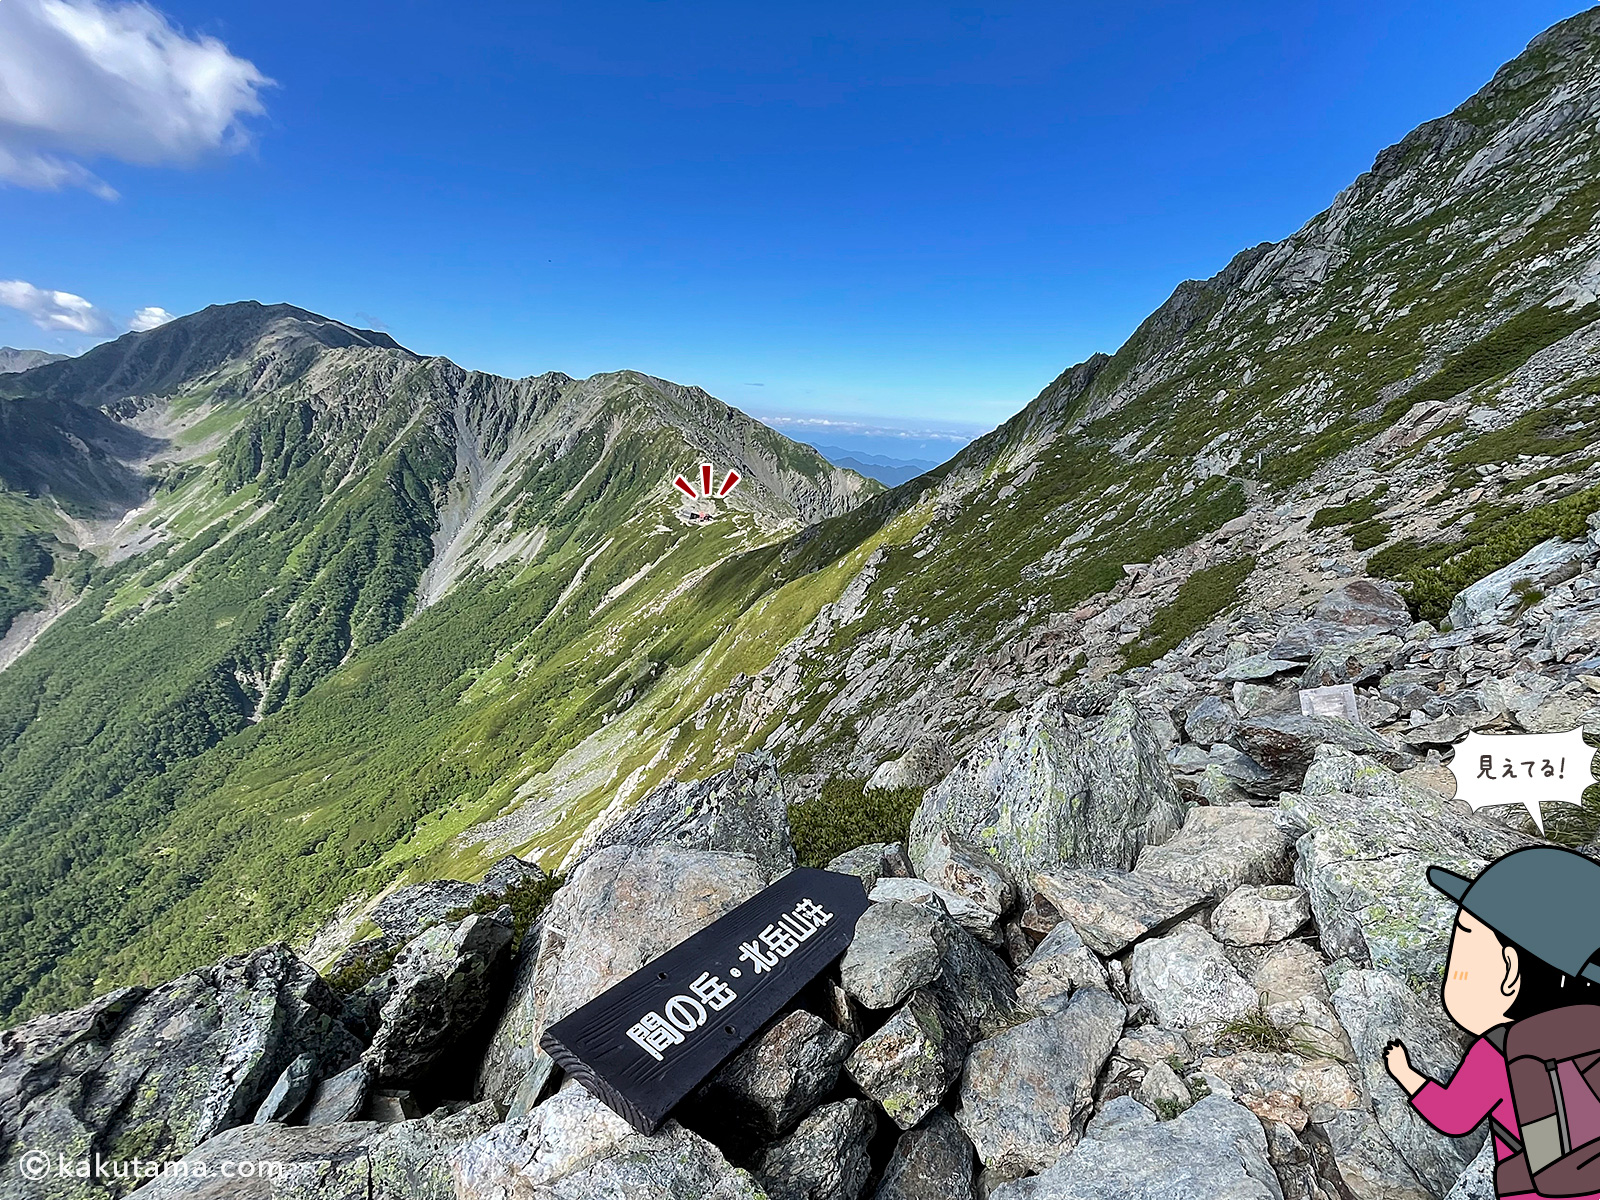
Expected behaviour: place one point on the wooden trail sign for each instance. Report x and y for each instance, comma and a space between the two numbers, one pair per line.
646, 1043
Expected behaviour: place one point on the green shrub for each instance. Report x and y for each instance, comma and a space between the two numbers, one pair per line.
845, 816
1360, 510
1501, 351
1203, 596
1430, 576
361, 970
527, 900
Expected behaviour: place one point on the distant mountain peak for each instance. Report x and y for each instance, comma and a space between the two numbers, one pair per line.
14, 361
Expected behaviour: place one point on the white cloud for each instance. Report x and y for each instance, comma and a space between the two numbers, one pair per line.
52, 310
86, 79
149, 318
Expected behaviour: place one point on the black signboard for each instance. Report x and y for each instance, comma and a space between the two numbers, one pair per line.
645, 1043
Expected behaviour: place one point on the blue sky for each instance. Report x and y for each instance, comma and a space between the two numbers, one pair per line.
903, 217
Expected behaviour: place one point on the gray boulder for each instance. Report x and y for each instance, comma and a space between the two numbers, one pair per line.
1187, 981
341, 1097
1369, 603
1493, 596
1256, 666
359, 1160
1216, 1150
1026, 1093
1477, 1181
1255, 916
407, 911
969, 914
623, 907
825, 1158
1354, 661
739, 811
897, 948
926, 761
782, 1074
870, 863
572, 1147
934, 1161
445, 979
1368, 1166
1053, 790
1210, 721
163, 1070
947, 862
1113, 909
1219, 850
1061, 965
1374, 1007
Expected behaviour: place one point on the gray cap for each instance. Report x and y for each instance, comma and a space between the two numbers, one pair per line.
1544, 898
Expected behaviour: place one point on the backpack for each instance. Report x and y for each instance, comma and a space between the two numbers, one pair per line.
1553, 1061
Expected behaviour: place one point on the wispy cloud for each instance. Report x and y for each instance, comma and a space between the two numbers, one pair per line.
87, 79
149, 318
57, 311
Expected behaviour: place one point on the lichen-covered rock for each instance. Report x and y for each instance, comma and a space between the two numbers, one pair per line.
897, 948
1026, 1093
1214, 1150
1210, 721
825, 1158
969, 914
1055, 790
913, 1060
1366, 839
355, 1160
1482, 602
625, 906
1221, 849
1355, 661
1255, 916
782, 1074
1370, 603
1186, 980
926, 761
445, 979
1375, 1007
1286, 743
572, 1147
340, 1097
739, 811
934, 1161
158, 1072
951, 864
1113, 909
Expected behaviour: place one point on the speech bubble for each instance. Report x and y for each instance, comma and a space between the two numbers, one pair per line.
1529, 769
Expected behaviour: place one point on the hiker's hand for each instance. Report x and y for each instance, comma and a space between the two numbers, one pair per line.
1399, 1064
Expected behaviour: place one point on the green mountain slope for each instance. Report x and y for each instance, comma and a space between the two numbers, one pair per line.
378, 618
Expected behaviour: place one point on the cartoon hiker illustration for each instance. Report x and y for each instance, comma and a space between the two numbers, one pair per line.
1523, 975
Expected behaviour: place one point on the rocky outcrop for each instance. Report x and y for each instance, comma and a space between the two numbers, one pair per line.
1056, 790
926, 761
407, 911
156, 1073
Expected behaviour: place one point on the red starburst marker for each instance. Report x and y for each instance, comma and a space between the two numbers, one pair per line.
707, 471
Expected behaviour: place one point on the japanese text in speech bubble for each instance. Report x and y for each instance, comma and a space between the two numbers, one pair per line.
1529, 769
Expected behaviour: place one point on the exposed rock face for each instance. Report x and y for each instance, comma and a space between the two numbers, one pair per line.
357, 1160
740, 811
1254, 916
158, 1072
898, 947
926, 761
1056, 790
1026, 1092
1215, 1149
913, 1060
445, 981
1365, 602
1060, 965
623, 907
1489, 598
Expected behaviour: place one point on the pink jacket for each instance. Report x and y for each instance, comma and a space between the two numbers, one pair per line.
1480, 1088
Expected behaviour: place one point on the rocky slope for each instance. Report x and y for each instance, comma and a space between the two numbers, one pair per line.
1147, 940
